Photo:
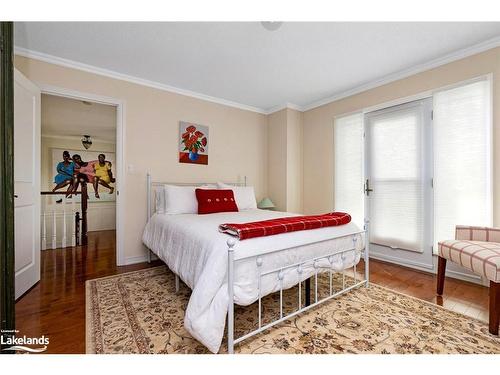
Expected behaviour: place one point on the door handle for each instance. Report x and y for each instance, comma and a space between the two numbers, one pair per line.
16, 196
367, 187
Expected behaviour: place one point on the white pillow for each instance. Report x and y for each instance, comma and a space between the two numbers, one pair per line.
244, 196
182, 199
160, 199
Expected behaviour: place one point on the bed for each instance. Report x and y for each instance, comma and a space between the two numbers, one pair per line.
222, 271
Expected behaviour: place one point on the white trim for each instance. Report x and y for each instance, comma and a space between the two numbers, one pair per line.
402, 262
482, 77
491, 145
128, 78
431, 270
138, 259
120, 183
284, 106
454, 56
393, 103
120, 155
346, 114
464, 276
76, 138
135, 259
418, 96
78, 95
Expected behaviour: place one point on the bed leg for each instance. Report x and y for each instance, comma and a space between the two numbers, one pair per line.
308, 291
149, 256
367, 253
177, 284
230, 293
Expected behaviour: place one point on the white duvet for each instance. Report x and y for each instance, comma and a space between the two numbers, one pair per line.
193, 248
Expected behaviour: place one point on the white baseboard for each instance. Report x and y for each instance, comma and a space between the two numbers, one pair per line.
135, 259
465, 276
409, 263
139, 259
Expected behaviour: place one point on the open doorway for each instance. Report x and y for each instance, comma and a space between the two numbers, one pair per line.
55, 306
77, 133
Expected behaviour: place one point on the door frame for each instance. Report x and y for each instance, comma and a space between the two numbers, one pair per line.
455, 273
120, 154
412, 260
7, 243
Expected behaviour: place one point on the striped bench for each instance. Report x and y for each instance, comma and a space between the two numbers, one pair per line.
478, 250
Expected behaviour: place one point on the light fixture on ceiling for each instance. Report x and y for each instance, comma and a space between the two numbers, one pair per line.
86, 141
271, 26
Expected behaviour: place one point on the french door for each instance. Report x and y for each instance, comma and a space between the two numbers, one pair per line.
398, 183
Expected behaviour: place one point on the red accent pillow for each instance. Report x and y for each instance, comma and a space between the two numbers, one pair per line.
212, 201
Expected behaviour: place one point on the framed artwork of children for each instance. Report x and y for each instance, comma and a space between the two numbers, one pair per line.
95, 167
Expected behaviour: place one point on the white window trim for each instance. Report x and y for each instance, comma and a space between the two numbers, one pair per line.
429, 94
421, 95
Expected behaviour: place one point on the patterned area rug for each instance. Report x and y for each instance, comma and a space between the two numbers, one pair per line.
139, 312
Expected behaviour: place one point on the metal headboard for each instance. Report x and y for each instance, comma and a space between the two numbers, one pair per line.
151, 184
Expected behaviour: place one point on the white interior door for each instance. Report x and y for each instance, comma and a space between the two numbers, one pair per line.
398, 183
26, 183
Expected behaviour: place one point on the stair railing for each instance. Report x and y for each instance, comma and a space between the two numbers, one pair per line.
79, 232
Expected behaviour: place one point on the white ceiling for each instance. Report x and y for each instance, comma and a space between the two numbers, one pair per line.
300, 63
72, 118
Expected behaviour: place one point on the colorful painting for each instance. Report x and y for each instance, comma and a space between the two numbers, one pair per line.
193, 143
95, 167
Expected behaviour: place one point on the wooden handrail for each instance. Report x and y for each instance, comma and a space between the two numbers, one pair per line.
84, 202
83, 205
58, 193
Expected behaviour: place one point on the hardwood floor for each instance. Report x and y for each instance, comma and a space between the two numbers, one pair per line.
55, 307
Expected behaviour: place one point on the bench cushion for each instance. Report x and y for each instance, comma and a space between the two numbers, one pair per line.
481, 257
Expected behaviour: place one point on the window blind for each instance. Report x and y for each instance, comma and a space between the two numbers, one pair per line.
348, 147
462, 158
396, 170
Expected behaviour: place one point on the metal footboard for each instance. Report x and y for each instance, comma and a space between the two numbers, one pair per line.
299, 267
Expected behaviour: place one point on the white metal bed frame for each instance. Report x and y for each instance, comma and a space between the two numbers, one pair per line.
315, 261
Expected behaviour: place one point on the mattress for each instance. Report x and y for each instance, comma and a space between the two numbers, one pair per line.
193, 248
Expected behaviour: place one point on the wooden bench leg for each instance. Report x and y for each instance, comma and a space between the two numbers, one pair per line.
441, 274
494, 307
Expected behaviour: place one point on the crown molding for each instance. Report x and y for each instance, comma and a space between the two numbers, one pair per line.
128, 78
284, 106
454, 56
457, 55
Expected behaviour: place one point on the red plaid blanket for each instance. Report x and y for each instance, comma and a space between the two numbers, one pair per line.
284, 224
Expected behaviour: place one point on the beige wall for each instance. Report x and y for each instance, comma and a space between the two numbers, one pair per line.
238, 138
287, 155
318, 123
285, 159
277, 130
294, 178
